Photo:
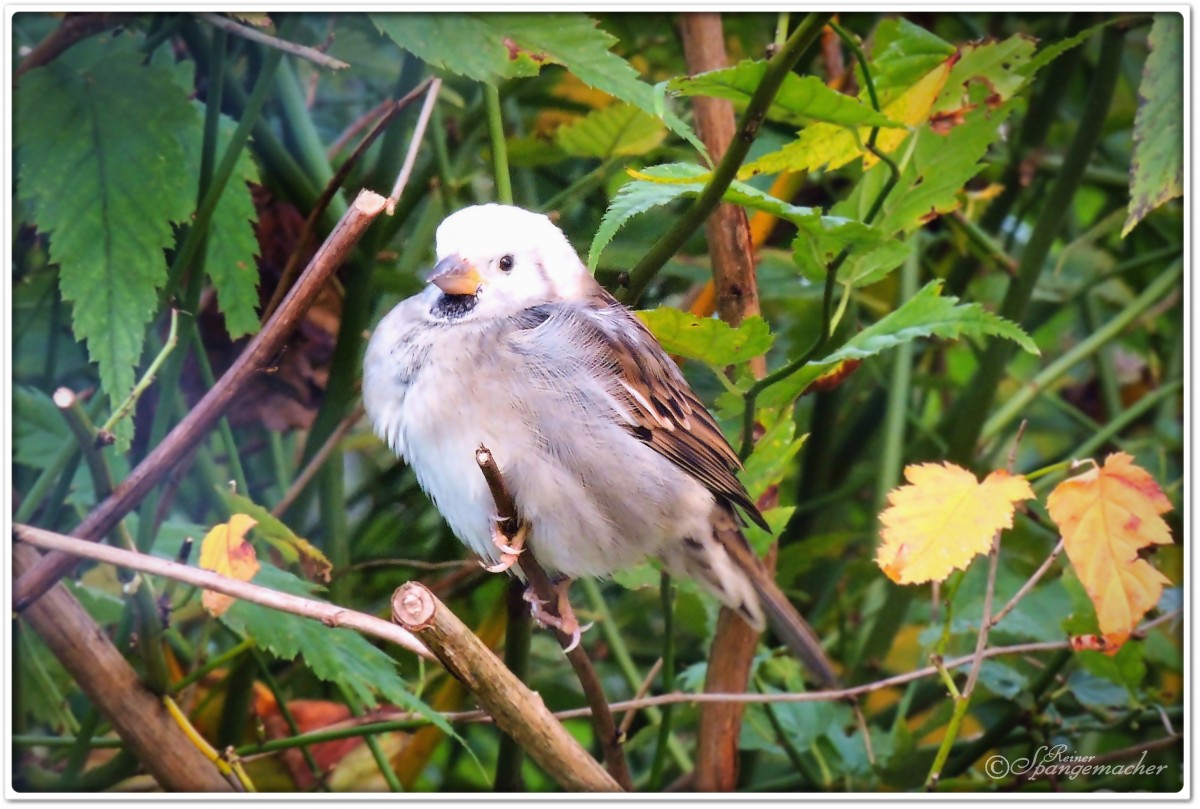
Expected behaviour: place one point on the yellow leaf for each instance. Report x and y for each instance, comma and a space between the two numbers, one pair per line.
833, 145
943, 519
911, 107
226, 551
1106, 516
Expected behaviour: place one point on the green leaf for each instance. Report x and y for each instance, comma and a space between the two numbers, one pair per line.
772, 456
903, 54
800, 100
232, 244
996, 66
1056, 49
1156, 174
106, 191
619, 130
663, 184
334, 655
493, 47
707, 339
926, 314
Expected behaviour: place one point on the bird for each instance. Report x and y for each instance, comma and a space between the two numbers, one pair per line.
610, 457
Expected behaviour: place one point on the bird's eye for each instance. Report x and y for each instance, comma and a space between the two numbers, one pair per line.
506, 263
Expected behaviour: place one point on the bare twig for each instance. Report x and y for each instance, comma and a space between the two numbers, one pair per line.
1028, 585
517, 711
328, 614
254, 35
985, 622
606, 727
331, 188
74, 28
139, 717
314, 464
410, 158
358, 125
192, 429
643, 690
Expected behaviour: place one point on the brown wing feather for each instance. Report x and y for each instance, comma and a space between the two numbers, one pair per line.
670, 418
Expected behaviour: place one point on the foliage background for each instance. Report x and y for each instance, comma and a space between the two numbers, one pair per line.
110, 226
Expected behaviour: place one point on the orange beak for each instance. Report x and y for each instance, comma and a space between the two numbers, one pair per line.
454, 275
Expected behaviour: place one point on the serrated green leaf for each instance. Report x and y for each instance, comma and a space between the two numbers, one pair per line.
707, 339
926, 314
496, 46
334, 655
777, 518
1054, 50
618, 130
232, 244
663, 184
801, 100
1156, 174
106, 192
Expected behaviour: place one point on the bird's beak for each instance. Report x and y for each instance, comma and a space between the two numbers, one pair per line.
454, 275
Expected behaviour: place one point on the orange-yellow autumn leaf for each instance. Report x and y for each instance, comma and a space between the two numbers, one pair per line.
226, 551
943, 519
1106, 516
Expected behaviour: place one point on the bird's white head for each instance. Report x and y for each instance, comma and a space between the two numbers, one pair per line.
495, 260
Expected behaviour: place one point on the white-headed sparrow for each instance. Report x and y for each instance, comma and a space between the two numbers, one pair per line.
609, 455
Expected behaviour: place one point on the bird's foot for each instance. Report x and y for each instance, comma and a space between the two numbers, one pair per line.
510, 549
565, 621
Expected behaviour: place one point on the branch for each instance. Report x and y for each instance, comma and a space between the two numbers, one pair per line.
246, 32
329, 614
73, 29
193, 428
606, 727
139, 718
518, 711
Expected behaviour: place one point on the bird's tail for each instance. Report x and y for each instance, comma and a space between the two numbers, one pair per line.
727, 565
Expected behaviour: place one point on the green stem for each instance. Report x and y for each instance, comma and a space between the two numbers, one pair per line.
579, 187
381, 759
778, 68
831, 273
212, 664
966, 420
264, 672
1016, 404
900, 388
491, 95
223, 429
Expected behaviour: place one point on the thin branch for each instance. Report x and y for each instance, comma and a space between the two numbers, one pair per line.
410, 158
195, 426
329, 614
643, 690
254, 35
73, 29
1028, 585
358, 125
318, 459
331, 188
517, 711
606, 727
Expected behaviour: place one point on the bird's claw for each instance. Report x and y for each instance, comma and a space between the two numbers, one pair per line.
509, 549
565, 622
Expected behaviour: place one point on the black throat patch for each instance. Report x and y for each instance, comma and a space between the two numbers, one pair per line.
452, 307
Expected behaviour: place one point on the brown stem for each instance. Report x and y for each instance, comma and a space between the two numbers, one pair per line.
73, 29
518, 711
728, 233
535, 575
139, 718
36, 581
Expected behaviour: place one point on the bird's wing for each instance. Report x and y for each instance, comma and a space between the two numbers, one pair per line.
662, 410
